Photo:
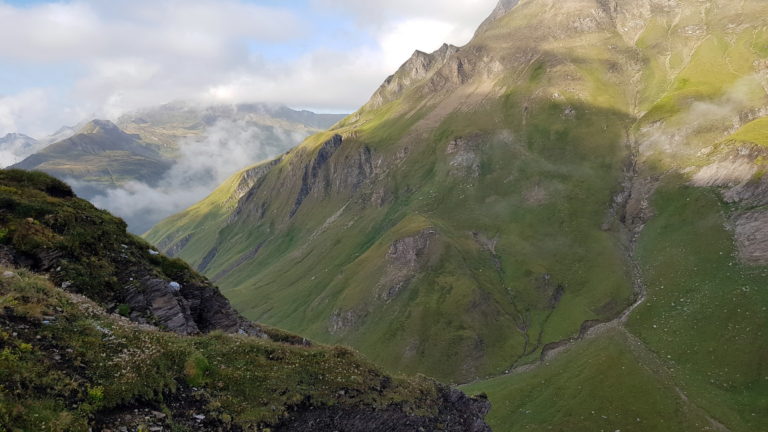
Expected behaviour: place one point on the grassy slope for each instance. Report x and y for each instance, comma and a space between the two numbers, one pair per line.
706, 312
702, 331
608, 383
342, 266
443, 318
63, 362
702, 328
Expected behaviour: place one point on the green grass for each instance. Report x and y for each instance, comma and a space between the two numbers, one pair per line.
58, 376
754, 132
302, 276
706, 310
604, 383
702, 330
550, 143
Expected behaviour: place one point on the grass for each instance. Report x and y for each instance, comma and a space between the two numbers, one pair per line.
300, 283
754, 132
706, 310
602, 384
43, 220
549, 145
80, 364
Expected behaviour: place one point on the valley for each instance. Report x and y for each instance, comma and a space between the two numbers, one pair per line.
522, 203
560, 225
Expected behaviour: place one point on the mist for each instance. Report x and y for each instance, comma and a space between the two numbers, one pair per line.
203, 164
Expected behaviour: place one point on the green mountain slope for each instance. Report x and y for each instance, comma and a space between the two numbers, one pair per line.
100, 154
489, 206
128, 339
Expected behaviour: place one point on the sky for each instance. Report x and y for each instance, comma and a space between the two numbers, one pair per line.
62, 62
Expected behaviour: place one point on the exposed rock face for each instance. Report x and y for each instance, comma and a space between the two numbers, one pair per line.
343, 320
405, 260
178, 246
464, 160
312, 172
739, 174
419, 67
751, 230
457, 413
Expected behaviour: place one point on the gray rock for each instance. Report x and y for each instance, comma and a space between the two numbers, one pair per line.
405, 258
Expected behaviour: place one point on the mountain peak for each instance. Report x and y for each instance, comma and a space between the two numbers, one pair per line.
501, 9
418, 67
97, 126
16, 136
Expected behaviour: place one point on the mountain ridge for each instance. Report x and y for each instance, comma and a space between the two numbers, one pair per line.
515, 196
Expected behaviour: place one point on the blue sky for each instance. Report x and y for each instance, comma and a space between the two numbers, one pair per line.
66, 61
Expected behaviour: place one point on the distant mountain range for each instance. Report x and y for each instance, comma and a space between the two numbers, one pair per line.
100, 157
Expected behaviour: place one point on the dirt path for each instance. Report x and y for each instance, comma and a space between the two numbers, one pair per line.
633, 210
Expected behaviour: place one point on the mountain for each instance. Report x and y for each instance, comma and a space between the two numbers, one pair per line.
566, 213
101, 155
166, 125
14, 147
100, 332
155, 162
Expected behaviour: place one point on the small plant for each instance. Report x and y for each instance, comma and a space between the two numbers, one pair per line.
95, 394
124, 310
195, 369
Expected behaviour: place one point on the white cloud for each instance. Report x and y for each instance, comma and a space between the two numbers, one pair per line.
204, 163
129, 54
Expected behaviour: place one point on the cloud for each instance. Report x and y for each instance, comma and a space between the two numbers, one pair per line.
203, 164
129, 54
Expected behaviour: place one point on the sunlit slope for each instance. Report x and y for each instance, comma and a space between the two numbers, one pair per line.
460, 224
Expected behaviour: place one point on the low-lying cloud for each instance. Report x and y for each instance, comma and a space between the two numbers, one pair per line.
204, 163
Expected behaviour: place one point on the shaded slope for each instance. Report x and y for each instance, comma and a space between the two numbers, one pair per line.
484, 150
92, 352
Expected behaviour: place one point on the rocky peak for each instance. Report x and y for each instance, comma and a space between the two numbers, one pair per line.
101, 127
16, 137
418, 68
501, 9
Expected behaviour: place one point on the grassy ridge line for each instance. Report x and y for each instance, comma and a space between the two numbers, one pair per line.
65, 362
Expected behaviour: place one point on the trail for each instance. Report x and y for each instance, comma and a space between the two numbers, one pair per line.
631, 211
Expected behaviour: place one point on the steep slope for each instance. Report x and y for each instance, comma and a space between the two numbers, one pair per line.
471, 201
491, 206
91, 352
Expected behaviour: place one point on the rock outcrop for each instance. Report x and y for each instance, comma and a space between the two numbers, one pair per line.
88, 251
405, 260
457, 413
418, 68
